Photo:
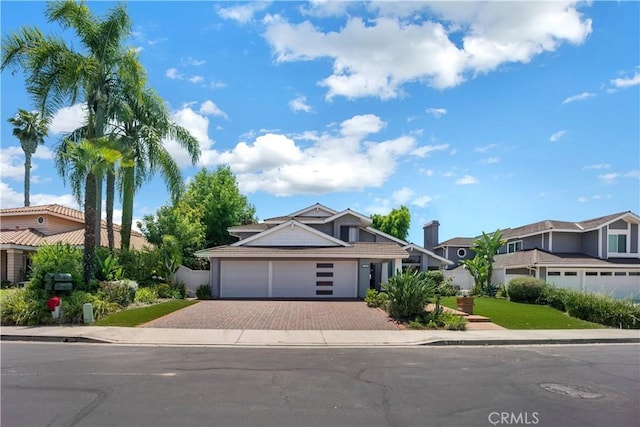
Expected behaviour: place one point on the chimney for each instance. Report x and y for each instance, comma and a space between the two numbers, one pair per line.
431, 234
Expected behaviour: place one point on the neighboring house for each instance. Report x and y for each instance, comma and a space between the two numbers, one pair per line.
23, 229
316, 252
596, 255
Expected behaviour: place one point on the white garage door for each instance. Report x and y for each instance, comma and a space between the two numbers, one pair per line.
311, 279
243, 279
620, 284
565, 279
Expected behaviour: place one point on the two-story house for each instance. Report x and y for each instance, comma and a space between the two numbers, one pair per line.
23, 229
316, 252
596, 255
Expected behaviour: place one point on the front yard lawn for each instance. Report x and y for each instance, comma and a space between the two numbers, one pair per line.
513, 315
138, 316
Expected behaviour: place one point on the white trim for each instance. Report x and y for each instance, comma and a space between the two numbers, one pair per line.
361, 217
292, 223
620, 232
551, 241
515, 245
388, 236
317, 206
428, 252
464, 252
600, 242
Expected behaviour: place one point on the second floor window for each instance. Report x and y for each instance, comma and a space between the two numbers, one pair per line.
514, 246
618, 243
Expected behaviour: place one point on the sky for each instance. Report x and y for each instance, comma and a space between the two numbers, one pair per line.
480, 115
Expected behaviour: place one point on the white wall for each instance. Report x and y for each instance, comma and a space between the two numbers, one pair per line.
192, 278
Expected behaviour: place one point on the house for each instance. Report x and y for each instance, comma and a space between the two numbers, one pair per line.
596, 255
315, 252
23, 229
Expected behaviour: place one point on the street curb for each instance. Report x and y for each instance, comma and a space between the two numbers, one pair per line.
533, 342
34, 338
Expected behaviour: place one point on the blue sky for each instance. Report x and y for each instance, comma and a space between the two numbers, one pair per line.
480, 115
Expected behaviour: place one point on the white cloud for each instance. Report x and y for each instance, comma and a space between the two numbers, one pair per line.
626, 82
324, 8
198, 125
426, 149
402, 196
300, 104
11, 198
68, 119
193, 61
491, 160
583, 199
422, 201
173, 74
242, 13
632, 174
485, 148
338, 160
216, 85
209, 108
437, 112
196, 79
598, 166
556, 136
580, 97
609, 178
466, 180
427, 172
376, 57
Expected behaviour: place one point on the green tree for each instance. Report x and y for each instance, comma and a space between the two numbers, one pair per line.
143, 122
57, 74
223, 205
481, 265
85, 160
30, 128
395, 223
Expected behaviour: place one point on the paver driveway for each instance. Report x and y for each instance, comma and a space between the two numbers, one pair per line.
280, 315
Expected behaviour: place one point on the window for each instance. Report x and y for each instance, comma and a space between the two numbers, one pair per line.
605, 273
618, 243
462, 252
40, 220
634, 273
570, 273
348, 233
320, 283
324, 292
620, 273
591, 273
514, 246
324, 265
324, 274
553, 273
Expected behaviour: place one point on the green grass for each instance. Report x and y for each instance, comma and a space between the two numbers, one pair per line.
138, 316
513, 315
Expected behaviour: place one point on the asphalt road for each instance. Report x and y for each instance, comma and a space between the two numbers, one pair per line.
94, 385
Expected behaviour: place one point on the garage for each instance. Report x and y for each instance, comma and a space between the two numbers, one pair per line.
565, 279
620, 284
288, 279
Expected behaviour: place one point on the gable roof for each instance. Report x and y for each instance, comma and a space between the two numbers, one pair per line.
331, 241
53, 209
352, 251
539, 257
415, 247
463, 242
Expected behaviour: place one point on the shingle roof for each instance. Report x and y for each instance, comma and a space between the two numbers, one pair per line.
355, 250
537, 257
464, 242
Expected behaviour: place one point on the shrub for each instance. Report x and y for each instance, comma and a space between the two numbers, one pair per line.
102, 308
526, 289
146, 295
71, 306
455, 323
108, 267
408, 293
203, 292
141, 266
502, 292
449, 290
179, 290
375, 298
119, 292
439, 319
26, 306
57, 258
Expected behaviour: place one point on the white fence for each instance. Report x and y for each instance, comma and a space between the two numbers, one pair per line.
192, 278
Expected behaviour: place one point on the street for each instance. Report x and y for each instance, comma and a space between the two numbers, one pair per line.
69, 384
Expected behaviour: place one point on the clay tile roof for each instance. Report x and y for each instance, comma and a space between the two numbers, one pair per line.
43, 209
25, 237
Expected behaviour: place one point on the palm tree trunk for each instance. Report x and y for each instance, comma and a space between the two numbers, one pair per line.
27, 177
111, 184
127, 207
89, 259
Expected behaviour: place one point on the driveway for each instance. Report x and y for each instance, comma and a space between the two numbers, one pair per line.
278, 315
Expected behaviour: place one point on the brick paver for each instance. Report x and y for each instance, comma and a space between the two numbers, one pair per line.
277, 315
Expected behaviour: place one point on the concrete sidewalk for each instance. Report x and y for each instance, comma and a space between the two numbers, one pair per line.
318, 338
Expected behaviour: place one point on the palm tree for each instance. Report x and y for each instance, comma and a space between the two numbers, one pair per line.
57, 74
82, 161
144, 122
30, 128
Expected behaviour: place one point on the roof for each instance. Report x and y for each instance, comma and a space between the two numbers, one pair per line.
547, 225
412, 246
32, 238
44, 209
540, 258
355, 250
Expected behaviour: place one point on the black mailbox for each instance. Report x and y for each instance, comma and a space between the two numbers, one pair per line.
58, 282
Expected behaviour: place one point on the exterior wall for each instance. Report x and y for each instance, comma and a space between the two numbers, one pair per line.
451, 253
52, 224
589, 244
382, 239
430, 235
618, 225
242, 236
324, 228
566, 242
348, 220
365, 236
290, 236
214, 274
634, 239
16, 265
605, 242
532, 242
364, 269
460, 277
3, 265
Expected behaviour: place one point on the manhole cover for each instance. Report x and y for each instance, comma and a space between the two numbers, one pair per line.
571, 391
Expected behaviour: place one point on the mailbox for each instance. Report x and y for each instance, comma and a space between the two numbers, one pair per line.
58, 282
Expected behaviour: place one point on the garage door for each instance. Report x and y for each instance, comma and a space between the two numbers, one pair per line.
620, 284
288, 279
242, 279
565, 279
311, 279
